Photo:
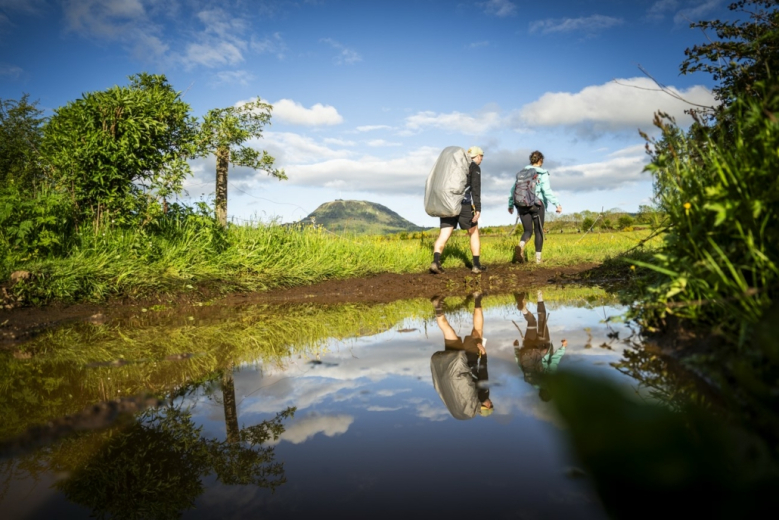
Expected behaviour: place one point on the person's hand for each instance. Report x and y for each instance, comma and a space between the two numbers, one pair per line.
476, 216
482, 350
511, 210
559, 209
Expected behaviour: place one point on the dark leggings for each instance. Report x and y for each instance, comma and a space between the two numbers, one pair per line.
533, 219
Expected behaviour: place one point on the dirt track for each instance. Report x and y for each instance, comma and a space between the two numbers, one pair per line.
19, 324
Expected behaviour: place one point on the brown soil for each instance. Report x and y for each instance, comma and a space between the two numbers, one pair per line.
20, 324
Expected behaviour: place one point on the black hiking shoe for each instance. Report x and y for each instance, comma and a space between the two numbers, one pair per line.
436, 268
478, 269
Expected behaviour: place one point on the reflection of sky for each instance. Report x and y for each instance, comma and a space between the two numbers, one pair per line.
370, 428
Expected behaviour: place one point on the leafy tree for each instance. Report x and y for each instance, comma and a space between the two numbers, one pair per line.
587, 223
747, 52
223, 132
120, 152
20, 139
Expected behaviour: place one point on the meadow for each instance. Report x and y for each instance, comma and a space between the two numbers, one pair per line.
186, 254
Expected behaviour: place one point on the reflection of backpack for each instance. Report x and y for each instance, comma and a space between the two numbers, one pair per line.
453, 380
525, 188
445, 186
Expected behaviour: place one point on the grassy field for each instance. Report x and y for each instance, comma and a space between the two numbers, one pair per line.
185, 256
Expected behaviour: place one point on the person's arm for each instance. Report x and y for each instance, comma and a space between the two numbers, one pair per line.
549, 196
511, 198
476, 189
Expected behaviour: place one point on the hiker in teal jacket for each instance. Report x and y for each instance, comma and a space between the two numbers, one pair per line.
534, 217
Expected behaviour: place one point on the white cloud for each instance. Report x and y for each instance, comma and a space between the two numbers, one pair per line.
338, 142
382, 142
616, 172
401, 175
294, 113
233, 77
630, 150
213, 53
454, 122
476, 45
345, 54
588, 24
109, 19
23, 6
696, 13
301, 430
370, 128
499, 8
625, 104
658, 9
10, 71
294, 149
273, 44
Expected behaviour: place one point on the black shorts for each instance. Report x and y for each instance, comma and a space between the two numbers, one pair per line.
465, 219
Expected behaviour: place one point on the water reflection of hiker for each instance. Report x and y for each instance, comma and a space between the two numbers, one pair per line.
537, 357
468, 218
532, 211
460, 370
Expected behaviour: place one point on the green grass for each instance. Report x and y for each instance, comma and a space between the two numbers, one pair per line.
187, 255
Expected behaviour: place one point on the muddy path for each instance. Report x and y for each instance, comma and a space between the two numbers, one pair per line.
20, 324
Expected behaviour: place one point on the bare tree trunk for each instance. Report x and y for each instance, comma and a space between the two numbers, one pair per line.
222, 162
231, 411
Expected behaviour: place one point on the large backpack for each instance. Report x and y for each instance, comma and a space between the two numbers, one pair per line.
525, 188
445, 186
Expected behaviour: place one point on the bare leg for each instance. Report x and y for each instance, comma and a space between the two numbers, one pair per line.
475, 241
443, 238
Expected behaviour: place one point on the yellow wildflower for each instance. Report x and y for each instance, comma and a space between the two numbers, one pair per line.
687, 205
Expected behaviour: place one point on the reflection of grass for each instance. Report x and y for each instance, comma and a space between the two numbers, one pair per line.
57, 380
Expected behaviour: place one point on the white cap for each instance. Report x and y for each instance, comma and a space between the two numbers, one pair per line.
474, 151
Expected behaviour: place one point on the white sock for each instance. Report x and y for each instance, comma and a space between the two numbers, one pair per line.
538, 258
522, 244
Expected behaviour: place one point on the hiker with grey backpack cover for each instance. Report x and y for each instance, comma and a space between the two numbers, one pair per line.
531, 193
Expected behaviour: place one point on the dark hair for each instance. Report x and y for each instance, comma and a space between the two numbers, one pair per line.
536, 157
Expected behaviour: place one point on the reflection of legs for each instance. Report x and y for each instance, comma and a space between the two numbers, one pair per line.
478, 317
440, 318
543, 327
449, 333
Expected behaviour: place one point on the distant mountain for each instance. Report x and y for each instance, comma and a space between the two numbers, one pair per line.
359, 217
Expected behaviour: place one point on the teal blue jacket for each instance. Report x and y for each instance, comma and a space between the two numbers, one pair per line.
543, 189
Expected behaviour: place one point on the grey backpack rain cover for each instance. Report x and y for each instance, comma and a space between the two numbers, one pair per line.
445, 186
454, 383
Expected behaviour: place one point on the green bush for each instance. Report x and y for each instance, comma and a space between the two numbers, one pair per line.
719, 265
34, 227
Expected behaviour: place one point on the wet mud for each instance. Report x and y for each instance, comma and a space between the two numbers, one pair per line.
20, 324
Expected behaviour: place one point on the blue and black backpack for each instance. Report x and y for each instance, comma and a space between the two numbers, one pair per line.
525, 188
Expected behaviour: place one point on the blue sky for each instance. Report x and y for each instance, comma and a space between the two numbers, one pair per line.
367, 93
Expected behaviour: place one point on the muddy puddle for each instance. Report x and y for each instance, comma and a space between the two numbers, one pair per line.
302, 410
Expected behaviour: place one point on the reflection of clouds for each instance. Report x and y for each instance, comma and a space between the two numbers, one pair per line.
390, 393
432, 412
305, 428
345, 381
384, 408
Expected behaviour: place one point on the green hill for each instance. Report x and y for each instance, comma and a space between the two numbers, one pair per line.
359, 217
